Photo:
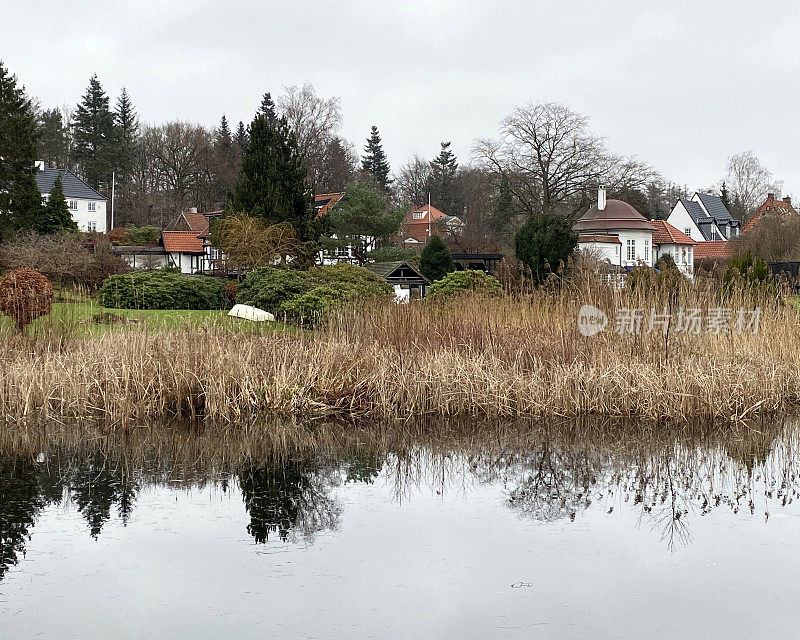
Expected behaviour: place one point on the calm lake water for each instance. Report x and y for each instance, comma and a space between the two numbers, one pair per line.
577, 539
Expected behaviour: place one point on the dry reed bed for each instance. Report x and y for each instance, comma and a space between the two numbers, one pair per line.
488, 358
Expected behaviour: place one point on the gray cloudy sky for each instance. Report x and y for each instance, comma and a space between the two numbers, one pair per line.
682, 84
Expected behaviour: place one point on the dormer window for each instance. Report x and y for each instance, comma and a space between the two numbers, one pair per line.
418, 215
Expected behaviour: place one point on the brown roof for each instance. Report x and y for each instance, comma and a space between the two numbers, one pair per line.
190, 221
599, 238
616, 215
665, 233
771, 205
182, 242
713, 250
324, 202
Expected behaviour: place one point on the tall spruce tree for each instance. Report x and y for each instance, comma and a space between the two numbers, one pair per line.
443, 186
53, 139
20, 200
374, 161
725, 196
126, 126
93, 134
224, 138
242, 137
55, 215
272, 183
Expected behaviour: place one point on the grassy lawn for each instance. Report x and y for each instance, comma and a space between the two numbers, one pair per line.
82, 318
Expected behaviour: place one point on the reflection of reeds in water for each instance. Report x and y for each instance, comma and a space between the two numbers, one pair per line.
487, 358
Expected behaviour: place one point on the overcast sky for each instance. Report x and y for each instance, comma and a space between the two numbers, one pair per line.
681, 84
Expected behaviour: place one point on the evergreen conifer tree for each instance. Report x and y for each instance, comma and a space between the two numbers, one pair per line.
93, 133
20, 200
443, 182
242, 137
436, 261
53, 139
272, 183
374, 161
224, 138
127, 137
55, 215
725, 196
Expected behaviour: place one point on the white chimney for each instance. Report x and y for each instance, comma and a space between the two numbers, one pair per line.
192, 209
601, 198
39, 165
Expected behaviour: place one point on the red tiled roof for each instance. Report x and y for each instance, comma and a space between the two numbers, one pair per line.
713, 250
435, 215
771, 206
324, 202
182, 242
599, 238
665, 233
197, 222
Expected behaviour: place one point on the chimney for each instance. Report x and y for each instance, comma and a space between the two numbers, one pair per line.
788, 200
601, 198
39, 165
770, 197
192, 209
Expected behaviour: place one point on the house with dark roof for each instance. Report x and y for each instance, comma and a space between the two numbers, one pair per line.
616, 233
704, 218
406, 279
770, 207
87, 206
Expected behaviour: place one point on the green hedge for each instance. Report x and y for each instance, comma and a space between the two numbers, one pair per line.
161, 290
305, 296
458, 282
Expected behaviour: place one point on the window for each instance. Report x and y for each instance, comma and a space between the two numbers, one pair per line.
418, 215
91, 226
631, 244
647, 256
91, 206
688, 231
44, 199
73, 205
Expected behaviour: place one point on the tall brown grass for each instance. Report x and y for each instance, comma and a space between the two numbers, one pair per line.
513, 357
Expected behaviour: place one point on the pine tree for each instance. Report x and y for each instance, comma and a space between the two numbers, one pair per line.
242, 136
443, 187
53, 139
272, 182
224, 139
93, 131
375, 162
126, 140
725, 196
20, 200
55, 215
436, 261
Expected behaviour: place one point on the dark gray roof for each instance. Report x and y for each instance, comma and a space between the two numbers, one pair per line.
694, 209
713, 204
397, 272
74, 187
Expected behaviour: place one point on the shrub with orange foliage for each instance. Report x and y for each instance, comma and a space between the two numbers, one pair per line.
25, 294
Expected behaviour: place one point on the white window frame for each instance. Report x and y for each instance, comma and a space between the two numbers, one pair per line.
91, 206
91, 226
630, 249
688, 231
73, 205
647, 255
418, 215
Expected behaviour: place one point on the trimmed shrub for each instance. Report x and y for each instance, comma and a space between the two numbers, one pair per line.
305, 296
459, 282
25, 294
161, 290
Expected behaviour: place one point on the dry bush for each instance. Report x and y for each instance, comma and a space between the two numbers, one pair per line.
63, 258
25, 294
249, 242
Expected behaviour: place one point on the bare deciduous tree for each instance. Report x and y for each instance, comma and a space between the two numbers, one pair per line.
748, 181
412, 182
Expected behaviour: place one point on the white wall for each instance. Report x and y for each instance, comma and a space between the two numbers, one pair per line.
602, 251
681, 220
643, 247
83, 217
186, 262
682, 254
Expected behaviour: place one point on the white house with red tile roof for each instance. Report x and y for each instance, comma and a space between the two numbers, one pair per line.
667, 240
